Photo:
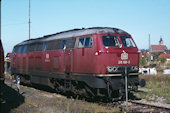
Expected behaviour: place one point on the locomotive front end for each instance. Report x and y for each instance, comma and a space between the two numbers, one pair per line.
117, 52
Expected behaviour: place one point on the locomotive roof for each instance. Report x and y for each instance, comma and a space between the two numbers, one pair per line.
75, 33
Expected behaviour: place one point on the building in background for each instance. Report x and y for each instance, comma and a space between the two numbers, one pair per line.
159, 48
167, 56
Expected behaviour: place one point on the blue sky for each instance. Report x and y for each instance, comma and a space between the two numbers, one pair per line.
137, 17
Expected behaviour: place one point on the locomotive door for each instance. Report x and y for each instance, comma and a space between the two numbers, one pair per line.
66, 57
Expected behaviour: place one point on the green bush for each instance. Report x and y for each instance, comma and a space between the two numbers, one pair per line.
162, 60
143, 61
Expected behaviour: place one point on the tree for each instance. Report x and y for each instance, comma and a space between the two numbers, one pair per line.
143, 61
156, 55
162, 60
167, 51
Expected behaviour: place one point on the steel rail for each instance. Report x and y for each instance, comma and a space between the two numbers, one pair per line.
150, 105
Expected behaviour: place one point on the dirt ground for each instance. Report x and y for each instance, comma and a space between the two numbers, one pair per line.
40, 99
43, 100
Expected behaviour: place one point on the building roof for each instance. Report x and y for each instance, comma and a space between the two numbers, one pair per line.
146, 54
158, 48
164, 55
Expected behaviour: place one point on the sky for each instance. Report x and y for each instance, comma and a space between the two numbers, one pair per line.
137, 17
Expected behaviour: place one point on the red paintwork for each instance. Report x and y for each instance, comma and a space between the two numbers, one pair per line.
112, 55
77, 60
1, 60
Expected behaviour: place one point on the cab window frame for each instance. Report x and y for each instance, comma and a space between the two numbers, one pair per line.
132, 42
90, 43
116, 41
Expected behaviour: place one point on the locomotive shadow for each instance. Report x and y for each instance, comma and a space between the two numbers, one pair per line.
132, 96
40, 87
71, 95
11, 99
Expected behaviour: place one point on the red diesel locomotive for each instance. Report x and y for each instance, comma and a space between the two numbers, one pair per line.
1, 63
85, 61
2, 78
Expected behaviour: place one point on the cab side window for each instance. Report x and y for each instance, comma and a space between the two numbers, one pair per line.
85, 42
81, 43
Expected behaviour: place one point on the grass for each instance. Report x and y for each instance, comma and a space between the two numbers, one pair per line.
159, 88
8, 75
37, 101
65, 105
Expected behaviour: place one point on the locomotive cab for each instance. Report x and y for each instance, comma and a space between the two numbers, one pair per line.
115, 53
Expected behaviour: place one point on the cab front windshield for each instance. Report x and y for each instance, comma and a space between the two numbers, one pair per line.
110, 41
127, 41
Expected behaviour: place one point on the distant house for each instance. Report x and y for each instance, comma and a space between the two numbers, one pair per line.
167, 56
159, 48
144, 54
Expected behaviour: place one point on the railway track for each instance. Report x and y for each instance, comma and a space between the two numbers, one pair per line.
158, 107
141, 106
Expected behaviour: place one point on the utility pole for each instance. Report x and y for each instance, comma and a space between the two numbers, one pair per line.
149, 49
126, 88
29, 20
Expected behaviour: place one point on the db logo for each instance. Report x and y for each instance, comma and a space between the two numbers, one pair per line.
124, 56
47, 56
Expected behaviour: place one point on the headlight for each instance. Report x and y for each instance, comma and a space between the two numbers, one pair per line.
134, 68
112, 68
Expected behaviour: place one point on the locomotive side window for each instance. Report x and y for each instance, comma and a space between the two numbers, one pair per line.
38, 46
85, 42
54, 45
127, 41
19, 49
58, 44
45, 46
63, 44
81, 43
88, 42
25, 49
110, 41
91, 42
31, 48
70, 43
50, 45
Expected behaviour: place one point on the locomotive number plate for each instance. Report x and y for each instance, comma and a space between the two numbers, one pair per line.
124, 62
